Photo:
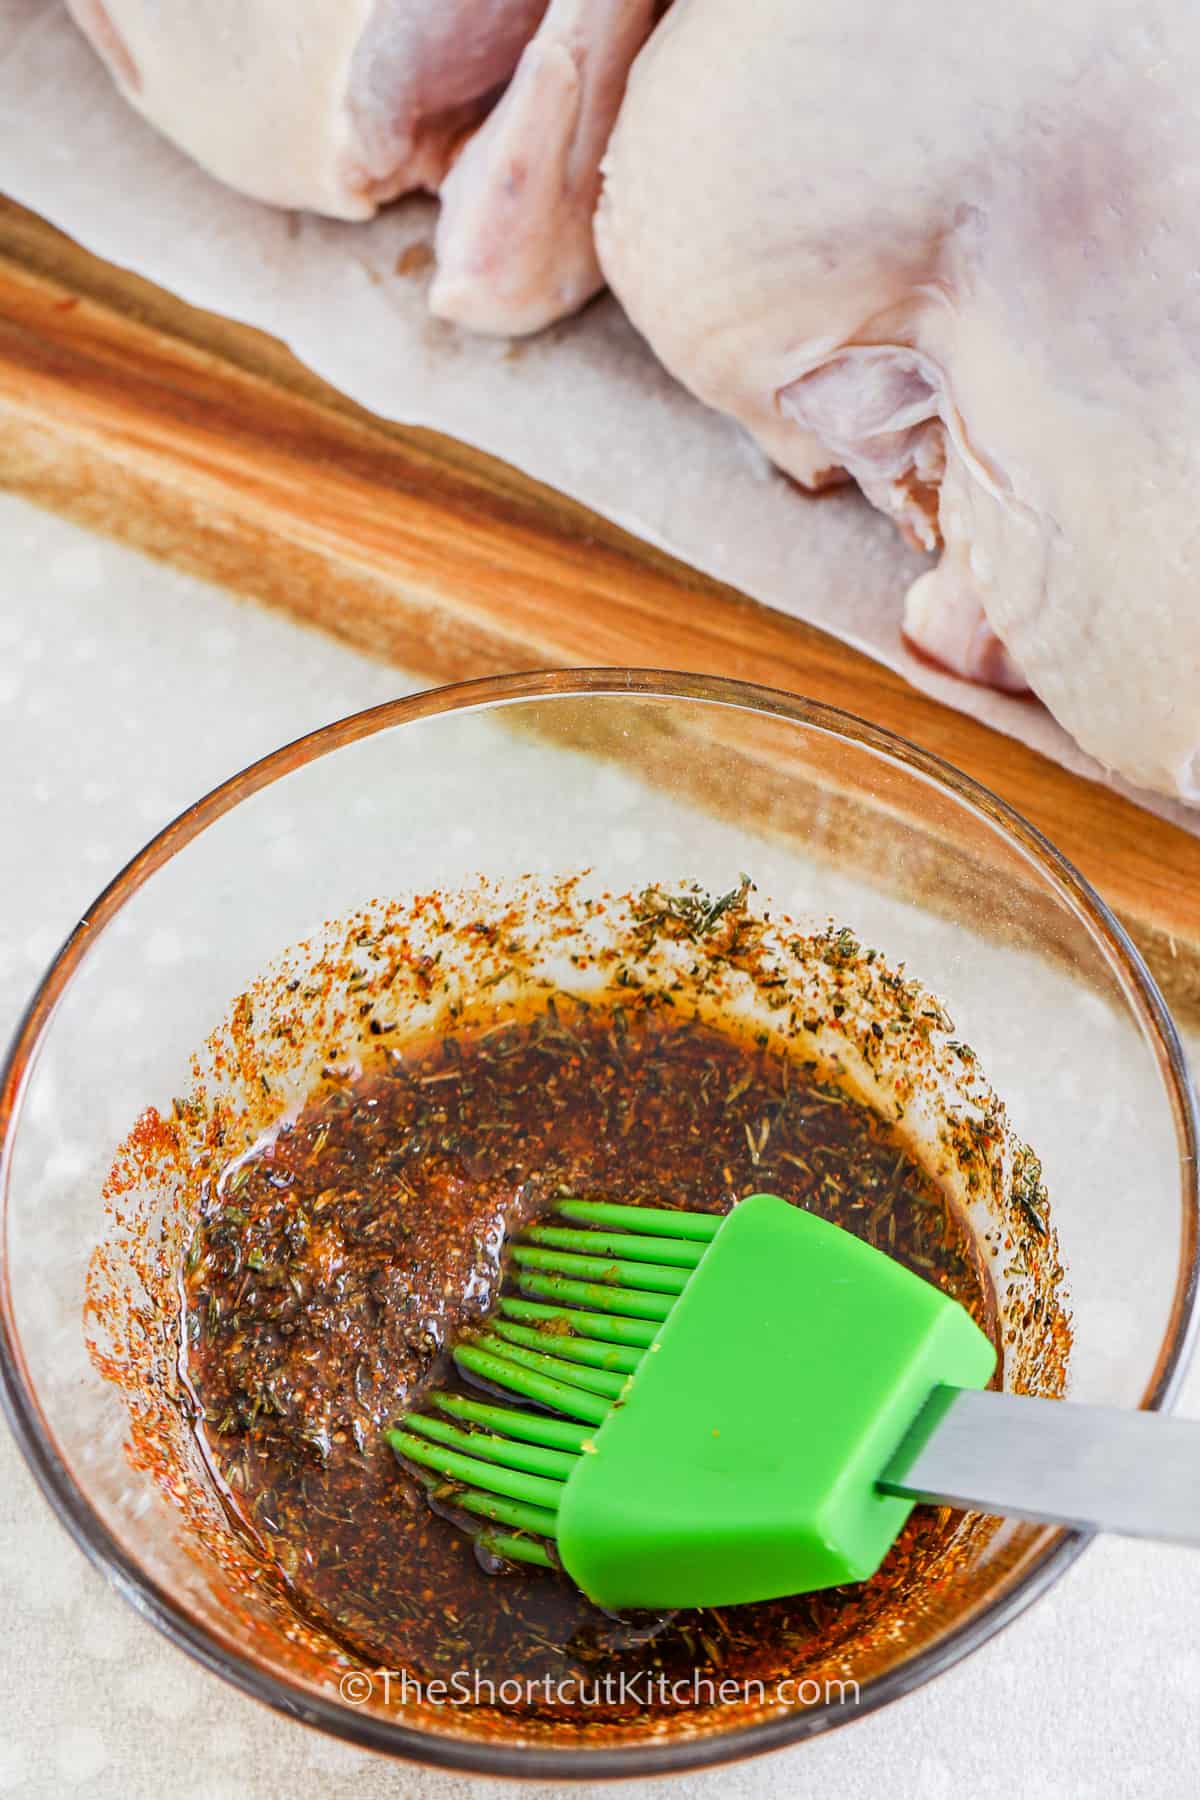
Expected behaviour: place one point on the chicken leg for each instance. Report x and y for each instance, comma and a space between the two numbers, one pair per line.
514, 240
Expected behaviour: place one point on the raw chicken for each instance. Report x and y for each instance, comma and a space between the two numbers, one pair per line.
333, 105
514, 241
954, 250
339, 105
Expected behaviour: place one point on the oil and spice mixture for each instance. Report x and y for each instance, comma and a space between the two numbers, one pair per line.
338, 1260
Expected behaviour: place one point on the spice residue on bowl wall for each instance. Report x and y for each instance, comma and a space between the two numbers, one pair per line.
330, 1206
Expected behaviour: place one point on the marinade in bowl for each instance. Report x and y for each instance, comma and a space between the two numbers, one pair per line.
325, 1212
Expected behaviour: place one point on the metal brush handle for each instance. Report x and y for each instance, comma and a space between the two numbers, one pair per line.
1097, 1468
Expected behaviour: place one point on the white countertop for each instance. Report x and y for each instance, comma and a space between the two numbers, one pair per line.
127, 690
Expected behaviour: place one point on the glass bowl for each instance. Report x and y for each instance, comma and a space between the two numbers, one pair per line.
640, 777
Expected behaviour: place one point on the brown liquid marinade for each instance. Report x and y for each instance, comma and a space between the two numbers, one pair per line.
327, 1261
337, 1263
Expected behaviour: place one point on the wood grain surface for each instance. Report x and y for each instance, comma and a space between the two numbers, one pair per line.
207, 444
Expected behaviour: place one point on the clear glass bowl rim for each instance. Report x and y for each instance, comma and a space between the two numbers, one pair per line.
477, 1756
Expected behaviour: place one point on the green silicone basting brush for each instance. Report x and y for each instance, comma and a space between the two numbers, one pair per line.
750, 1406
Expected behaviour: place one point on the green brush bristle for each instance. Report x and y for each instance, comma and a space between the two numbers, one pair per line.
511, 1464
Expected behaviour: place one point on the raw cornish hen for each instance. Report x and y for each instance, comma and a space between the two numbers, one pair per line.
962, 263
339, 105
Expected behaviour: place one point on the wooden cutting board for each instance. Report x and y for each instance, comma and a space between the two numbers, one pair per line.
207, 444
